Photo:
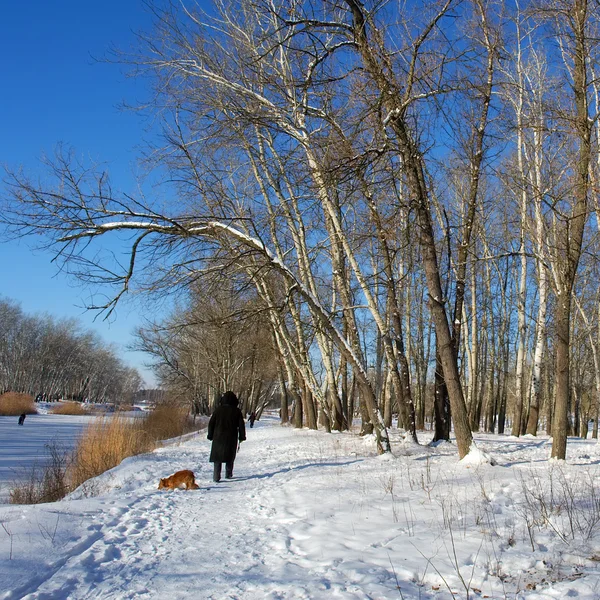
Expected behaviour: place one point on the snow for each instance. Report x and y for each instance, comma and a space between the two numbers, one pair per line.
477, 457
311, 515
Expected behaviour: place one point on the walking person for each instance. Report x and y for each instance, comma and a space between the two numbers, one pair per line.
226, 429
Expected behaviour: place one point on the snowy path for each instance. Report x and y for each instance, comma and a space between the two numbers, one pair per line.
307, 516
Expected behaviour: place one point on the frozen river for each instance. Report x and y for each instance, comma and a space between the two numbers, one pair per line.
21, 447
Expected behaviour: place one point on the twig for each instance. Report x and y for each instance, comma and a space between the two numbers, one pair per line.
429, 562
395, 576
10, 536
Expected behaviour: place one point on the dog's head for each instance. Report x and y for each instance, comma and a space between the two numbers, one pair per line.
162, 484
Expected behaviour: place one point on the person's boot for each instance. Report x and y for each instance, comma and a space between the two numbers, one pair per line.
217, 473
229, 470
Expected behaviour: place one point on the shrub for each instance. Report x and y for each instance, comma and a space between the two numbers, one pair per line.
69, 408
13, 404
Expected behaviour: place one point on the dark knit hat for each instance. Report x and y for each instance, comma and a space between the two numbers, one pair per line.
229, 398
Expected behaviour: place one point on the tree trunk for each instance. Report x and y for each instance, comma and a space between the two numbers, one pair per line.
412, 161
297, 412
560, 422
571, 233
540, 332
441, 406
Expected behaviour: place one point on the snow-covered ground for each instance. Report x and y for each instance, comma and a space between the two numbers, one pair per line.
317, 516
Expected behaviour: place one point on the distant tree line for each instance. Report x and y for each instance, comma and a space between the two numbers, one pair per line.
152, 396
54, 359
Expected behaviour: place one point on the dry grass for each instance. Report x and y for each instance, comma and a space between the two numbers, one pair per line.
98, 409
69, 408
167, 421
104, 444
13, 404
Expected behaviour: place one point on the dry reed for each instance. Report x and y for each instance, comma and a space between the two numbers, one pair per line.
69, 408
167, 421
43, 483
103, 444
13, 404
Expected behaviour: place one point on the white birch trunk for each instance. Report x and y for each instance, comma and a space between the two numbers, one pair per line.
535, 393
521, 294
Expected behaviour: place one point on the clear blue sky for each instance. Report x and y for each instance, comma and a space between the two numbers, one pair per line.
54, 91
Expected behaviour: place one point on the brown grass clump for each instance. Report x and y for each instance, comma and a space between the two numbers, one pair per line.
167, 421
98, 409
103, 445
13, 404
69, 408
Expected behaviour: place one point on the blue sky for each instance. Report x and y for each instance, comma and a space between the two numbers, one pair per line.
54, 91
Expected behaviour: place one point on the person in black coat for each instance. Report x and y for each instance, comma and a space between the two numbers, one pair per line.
225, 429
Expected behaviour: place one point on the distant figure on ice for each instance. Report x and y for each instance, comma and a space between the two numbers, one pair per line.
22, 419
252, 418
225, 429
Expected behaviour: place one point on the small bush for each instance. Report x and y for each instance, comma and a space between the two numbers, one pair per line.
13, 404
69, 408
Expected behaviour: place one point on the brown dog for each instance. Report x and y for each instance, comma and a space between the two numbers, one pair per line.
178, 479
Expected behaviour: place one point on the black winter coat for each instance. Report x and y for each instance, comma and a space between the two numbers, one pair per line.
225, 428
